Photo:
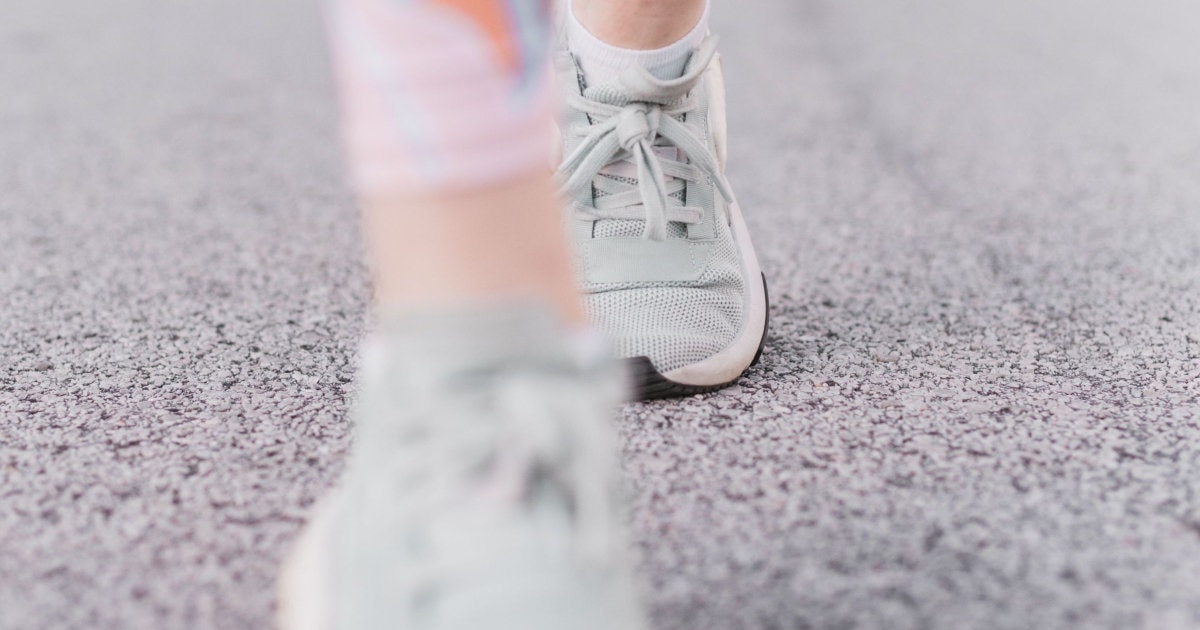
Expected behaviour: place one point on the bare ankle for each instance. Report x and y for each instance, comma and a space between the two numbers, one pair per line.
639, 24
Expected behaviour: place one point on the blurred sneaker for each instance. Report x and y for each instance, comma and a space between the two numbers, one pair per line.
482, 490
664, 256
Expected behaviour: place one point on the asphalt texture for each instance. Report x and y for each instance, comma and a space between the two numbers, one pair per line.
978, 406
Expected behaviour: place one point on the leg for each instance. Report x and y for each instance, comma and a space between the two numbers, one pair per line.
481, 486
639, 24
447, 125
495, 244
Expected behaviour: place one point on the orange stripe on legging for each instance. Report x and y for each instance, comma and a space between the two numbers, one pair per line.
493, 17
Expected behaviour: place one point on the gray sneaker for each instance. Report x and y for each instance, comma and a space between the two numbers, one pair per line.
482, 491
665, 260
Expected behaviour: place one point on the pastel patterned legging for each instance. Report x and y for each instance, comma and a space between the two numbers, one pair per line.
442, 95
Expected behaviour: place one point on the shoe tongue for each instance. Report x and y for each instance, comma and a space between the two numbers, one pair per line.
672, 69
663, 84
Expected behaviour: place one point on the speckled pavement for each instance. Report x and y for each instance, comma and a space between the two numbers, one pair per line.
978, 407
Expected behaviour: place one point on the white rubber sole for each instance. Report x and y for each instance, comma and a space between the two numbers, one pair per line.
727, 365
304, 587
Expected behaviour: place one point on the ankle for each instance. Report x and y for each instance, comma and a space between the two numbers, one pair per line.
603, 58
639, 24
494, 245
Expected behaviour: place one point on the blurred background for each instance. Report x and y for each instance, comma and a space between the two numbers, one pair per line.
978, 406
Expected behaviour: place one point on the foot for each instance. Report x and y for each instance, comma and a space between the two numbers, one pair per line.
481, 492
667, 266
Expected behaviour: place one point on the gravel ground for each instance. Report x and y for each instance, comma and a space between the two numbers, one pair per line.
978, 407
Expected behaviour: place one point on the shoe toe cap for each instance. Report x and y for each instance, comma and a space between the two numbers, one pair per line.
672, 327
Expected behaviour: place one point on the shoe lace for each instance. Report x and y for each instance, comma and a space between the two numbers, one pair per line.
618, 133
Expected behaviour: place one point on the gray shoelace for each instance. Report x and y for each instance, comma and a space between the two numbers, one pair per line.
632, 131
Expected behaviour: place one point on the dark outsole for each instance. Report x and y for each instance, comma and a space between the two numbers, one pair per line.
649, 384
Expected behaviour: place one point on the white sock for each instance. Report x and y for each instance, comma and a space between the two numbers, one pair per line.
602, 62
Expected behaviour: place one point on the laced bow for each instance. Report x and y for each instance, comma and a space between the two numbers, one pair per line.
646, 116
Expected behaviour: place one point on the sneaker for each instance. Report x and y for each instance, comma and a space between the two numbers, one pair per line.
665, 260
482, 492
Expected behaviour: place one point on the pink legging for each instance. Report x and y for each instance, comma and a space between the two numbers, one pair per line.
442, 95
